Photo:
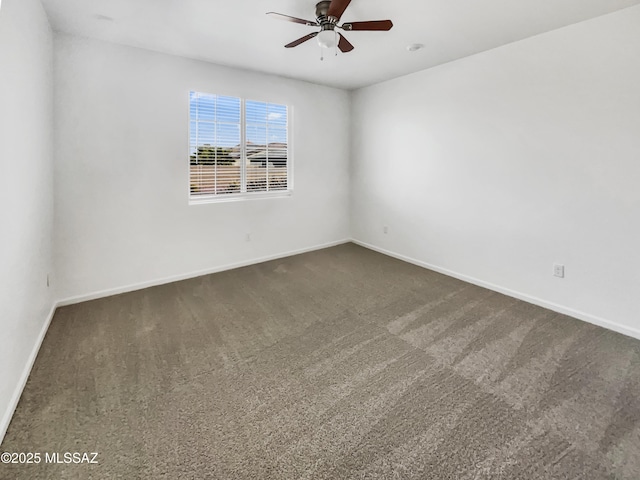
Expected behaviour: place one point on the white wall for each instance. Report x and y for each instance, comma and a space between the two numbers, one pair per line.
26, 192
121, 143
496, 166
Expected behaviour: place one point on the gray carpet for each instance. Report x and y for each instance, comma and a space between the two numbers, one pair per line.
336, 364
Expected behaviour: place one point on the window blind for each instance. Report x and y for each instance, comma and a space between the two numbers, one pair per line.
237, 147
266, 146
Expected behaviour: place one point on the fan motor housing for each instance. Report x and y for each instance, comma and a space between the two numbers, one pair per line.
322, 8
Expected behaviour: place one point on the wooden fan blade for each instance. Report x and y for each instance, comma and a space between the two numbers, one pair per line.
337, 8
344, 45
295, 43
309, 23
373, 25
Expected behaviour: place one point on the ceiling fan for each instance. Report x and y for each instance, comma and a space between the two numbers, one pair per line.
328, 14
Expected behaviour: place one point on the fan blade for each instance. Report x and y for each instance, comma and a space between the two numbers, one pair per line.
309, 23
295, 43
337, 8
373, 25
344, 45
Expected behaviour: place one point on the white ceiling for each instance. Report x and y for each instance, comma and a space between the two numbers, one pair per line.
239, 34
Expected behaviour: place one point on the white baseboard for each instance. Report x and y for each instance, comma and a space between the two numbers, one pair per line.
198, 273
8, 414
601, 322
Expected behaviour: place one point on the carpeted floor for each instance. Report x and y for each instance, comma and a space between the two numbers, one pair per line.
336, 364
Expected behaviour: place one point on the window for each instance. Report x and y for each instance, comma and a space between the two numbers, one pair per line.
237, 148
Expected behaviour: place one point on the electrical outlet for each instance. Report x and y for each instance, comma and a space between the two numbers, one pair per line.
385, 229
558, 270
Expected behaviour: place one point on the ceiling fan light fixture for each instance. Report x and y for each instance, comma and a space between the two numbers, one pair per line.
328, 14
327, 39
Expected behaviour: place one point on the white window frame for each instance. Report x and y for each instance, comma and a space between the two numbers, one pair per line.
243, 194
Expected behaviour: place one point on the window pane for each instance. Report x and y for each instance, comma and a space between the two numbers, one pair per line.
256, 112
192, 105
215, 144
228, 179
277, 135
256, 135
205, 106
277, 179
277, 156
257, 155
277, 115
192, 133
228, 110
228, 136
205, 133
257, 172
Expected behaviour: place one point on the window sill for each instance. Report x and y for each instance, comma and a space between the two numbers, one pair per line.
236, 197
